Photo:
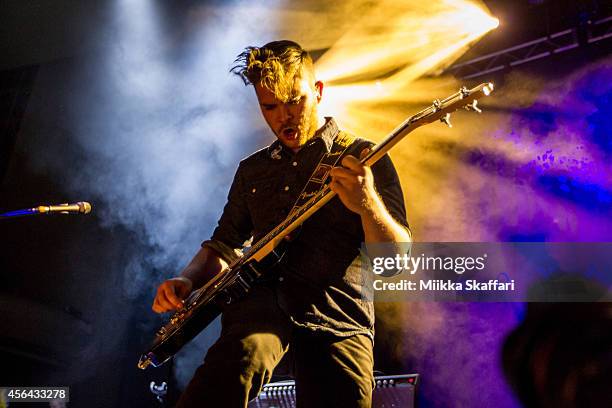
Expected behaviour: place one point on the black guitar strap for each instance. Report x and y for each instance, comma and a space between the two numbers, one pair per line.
320, 174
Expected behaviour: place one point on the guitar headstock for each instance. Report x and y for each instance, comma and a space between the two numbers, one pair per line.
441, 109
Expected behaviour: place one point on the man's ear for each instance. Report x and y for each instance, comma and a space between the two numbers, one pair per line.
319, 89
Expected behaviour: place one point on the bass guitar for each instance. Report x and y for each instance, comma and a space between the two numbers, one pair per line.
204, 304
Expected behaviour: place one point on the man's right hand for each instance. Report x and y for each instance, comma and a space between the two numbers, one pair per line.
170, 294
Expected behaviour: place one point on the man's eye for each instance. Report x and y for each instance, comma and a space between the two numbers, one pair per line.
269, 107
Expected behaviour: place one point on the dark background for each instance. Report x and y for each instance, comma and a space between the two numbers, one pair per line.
63, 321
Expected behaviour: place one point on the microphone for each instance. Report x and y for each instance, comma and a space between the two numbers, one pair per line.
81, 207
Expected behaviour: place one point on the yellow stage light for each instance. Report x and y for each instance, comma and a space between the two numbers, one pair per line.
377, 60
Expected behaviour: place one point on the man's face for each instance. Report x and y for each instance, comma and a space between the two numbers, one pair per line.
294, 123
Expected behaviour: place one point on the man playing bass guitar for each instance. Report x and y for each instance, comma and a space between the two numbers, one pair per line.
312, 303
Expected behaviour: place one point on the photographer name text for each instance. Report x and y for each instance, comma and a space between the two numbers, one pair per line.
444, 285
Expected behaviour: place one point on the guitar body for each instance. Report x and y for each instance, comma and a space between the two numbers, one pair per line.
169, 340
204, 305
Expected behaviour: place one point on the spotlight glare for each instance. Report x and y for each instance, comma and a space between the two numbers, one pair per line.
411, 40
477, 22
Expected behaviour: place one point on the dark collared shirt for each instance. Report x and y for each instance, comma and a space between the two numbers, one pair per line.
320, 279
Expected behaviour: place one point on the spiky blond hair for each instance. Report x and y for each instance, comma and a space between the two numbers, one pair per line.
274, 66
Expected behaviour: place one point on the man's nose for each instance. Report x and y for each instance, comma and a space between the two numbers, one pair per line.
285, 113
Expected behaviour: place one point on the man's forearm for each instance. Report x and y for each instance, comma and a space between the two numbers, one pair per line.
204, 266
379, 225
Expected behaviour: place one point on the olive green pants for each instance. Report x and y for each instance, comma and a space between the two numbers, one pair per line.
330, 371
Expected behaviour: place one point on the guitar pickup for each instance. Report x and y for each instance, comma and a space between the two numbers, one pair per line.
246, 285
250, 272
237, 289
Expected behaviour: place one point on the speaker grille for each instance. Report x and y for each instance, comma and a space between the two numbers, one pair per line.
391, 391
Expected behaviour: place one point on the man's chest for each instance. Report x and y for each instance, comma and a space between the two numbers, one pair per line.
272, 190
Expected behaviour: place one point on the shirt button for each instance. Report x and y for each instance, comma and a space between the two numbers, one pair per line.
294, 164
281, 279
286, 188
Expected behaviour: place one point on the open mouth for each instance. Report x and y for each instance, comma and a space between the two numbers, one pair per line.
290, 133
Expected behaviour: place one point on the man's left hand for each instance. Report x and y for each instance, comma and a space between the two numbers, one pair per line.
354, 184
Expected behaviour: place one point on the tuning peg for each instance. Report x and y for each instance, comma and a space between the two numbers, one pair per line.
437, 105
446, 120
473, 106
464, 92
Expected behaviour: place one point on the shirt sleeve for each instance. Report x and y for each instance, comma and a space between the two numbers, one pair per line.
235, 225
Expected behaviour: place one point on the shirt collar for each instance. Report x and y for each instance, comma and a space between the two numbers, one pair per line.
327, 133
